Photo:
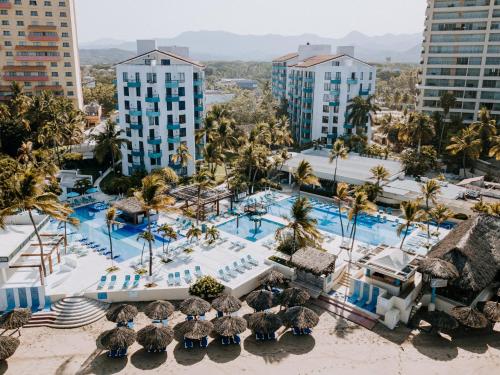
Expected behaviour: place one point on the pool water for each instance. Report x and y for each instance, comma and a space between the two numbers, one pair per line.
245, 228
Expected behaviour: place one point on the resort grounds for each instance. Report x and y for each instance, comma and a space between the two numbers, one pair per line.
336, 346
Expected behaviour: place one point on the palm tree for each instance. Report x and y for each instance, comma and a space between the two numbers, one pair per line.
338, 151
418, 128
467, 143
110, 218
167, 232
360, 203
341, 195
202, 180
486, 128
495, 148
430, 190
152, 196
379, 173
67, 219
193, 232
447, 101
226, 141
182, 155
361, 111
440, 213
108, 143
304, 174
149, 238
212, 234
412, 214
303, 226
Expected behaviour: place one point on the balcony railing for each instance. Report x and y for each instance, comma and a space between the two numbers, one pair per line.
133, 83
172, 98
154, 154
136, 126
173, 84
352, 81
334, 104
173, 126
336, 81
153, 113
152, 99
135, 112
154, 140
197, 82
138, 152
174, 139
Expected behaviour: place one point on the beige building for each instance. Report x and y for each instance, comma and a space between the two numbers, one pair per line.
39, 48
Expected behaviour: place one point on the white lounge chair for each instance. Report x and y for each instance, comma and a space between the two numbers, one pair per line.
251, 260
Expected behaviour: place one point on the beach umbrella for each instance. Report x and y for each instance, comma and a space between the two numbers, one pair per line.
117, 338
440, 320
491, 310
159, 310
300, 317
195, 329
15, 319
91, 191
194, 306
273, 278
265, 323
294, 297
230, 325
469, 316
72, 194
261, 300
122, 313
226, 304
438, 268
155, 338
8, 346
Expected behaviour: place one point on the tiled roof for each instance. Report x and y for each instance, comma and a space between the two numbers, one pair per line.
315, 60
286, 57
170, 54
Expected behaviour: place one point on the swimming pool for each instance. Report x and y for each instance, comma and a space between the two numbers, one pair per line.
245, 228
369, 230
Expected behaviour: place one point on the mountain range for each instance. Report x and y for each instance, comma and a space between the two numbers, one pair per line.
222, 45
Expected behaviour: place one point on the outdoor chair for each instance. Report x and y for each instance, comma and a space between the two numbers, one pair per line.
373, 302
113, 282
245, 264
204, 342
222, 275
187, 276
126, 282
188, 344
237, 267
102, 282
252, 260
229, 271
137, 278
197, 271
170, 280
177, 276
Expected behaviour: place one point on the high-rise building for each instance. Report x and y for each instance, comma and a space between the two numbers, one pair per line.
160, 103
39, 48
461, 55
319, 87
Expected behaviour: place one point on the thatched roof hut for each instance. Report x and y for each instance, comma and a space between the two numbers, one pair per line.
469, 316
194, 306
265, 323
229, 325
437, 268
293, 297
122, 313
15, 319
300, 317
473, 247
159, 310
261, 300
117, 338
195, 329
317, 262
273, 278
440, 320
226, 304
491, 310
8, 346
155, 338
130, 207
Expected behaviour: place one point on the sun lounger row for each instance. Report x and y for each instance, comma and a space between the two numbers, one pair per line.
364, 296
174, 278
229, 272
126, 282
189, 344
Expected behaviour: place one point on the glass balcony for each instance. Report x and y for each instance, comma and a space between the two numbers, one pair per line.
154, 140
138, 152
364, 92
132, 83
174, 126
171, 84
198, 95
348, 126
331, 136
197, 82
334, 104
308, 100
307, 110
336, 81
154, 154
308, 90
135, 112
153, 113
172, 99
308, 80
174, 140
198, 108
152, 99
136, 126
352, 81
335, 92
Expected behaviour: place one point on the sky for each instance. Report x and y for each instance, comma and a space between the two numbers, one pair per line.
138, 19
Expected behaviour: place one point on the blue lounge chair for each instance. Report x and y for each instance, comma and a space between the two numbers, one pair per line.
373, 302
223, 276
296, 331
126, 282
204, 342
306, 331
188, 344
357, 289
113, 282
197, 271
170, 280
102, 282
137, 278
177, 277
225, 340
229, 271
271, 336
189, 317
131, 324
187, 276
220, 314
237, 339
251, 260
245, 264
366, 295
237, 267
259, 336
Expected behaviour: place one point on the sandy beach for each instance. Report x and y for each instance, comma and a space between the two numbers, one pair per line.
336, 346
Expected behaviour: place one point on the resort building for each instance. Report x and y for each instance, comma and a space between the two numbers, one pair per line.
460, 55
279, 74
160, 103
39, 48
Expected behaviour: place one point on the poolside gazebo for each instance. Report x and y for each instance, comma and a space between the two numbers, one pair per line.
131, 209
209, 198
226, 304
315, 270
194, 307
264, 325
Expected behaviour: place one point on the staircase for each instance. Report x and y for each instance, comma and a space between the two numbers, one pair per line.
70, 312
345, 281
417, 305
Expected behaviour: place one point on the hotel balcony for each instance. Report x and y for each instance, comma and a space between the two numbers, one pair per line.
364, 92
134, 112
41, 28
197, 82
154, 140
152, 99
331, 136
174, 139
5, 4
173, 126
336, 81
136, 126
198, 108
137, 166
198, 120
21, 78
171, 84
307, 110
348, 126
334, 92
352, 81
307, 90
198, 95
153, 113
333, 104
308, 80
308, 100
133, 83
137, 153
172, 98
43, 38
154, 154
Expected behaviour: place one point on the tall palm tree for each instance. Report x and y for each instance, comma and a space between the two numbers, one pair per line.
339, 150
67, 219
467, 143
182, 155
486, 129
341, 195
440, 213
148, 238
108, 143
379, 173
202, 180
110, 217
304, 174
212, 234
361, 111
412, 214
447, 101
418, 129
193, 232
495, 148
167, 232
430, 191
360, 203
302, 226
226, 141
28, 191
152, 197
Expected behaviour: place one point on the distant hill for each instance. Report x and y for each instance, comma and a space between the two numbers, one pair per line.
221, 45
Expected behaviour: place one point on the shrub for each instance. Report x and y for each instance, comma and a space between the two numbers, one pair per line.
206, 287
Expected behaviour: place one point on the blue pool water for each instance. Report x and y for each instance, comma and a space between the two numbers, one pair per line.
245, 228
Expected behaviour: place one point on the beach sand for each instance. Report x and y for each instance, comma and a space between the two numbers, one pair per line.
336, 347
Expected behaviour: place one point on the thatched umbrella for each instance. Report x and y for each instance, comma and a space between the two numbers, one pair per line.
117, 338
154, 338
265, 323
8, 346
440, 320
15, 319
438, 268
300, 317
122, 313
195, 329
230, 325
491, 310
261, 300
226, 304
194, 306
469, 316
273, 278
159, 310
294, 297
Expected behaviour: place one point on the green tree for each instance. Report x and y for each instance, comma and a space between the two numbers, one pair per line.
341, 195
446, 101
360, 112
182, 155
304, 174
468, 144
66, 219
212, 234
486, 129
379, 173
110, 218
495, 148
430, 191
202, 181
440, 213
167, 232
338, 151
82, 185
104, 94
193, 232
411, 214
108, 143
417, 130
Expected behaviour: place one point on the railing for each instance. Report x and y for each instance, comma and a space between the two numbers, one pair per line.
154, 140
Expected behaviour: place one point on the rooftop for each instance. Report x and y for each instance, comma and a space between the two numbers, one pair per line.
411, 189
286, 57
316, 261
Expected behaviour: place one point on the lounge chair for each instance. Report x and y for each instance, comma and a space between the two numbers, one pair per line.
188, 344
357, 289
373, 302
245, 264
251, 260
259, 336
137, 278
126, 282
187, 276
113, 282
177, 276
225, 340
197, 271
237, 267
220, 314
229, 271
366, 295
222, 275
204, 342
102, 282
170, 280
236, 339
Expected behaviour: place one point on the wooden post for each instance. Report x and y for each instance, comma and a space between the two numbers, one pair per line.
50, 263
218, 208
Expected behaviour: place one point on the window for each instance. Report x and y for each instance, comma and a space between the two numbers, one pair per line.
34, 13
165, 62
182, 119
326, 109
48, 14
5, 23
55, 74
182, 105
65, 35
182, 91
6, 33
68, 74
67, 65
66, 44
62, 14
182, 132
70, 93
325, 119
69, 84
21, 33
18, 12
328, 76
169, 106
47, 3
67, 54
64, 24
53, 65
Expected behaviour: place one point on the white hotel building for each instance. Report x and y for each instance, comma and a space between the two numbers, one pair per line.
319, 87
461, 54
160, 103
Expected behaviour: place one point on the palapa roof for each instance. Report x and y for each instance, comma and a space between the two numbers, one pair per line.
154, 337
159, 310
438, 268
226, 304
286, 57
130, 205
300, 317
473, 247
491, 310
264, 323
195, 329
273, 278
469, 316
294, 297
261, 300
194, 306
117, 338
314, 261
15, 319
230, 325
122, 313
8, 346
